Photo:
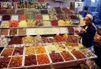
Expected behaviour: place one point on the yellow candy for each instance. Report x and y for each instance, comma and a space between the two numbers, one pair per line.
29, 50
23, 23
61, 23
45, 17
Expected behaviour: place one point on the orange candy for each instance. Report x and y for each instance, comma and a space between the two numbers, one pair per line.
39, 49
42, 59
22, 17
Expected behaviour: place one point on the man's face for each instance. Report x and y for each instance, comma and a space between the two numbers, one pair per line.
87, 20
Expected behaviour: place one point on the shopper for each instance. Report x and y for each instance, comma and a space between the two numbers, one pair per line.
88, 32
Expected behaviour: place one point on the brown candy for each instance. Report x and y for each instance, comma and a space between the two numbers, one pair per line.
16, 62
7, 52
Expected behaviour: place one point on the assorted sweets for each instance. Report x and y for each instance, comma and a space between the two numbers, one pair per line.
18, 51
78, 54
30, 60
27, 39
21, 31
4, 32
29, 50
13, 31
4, 61
15, 40
37, 53
67, 56
7, 52
16, 61
25, 18
40, 50
56, 57
43, 59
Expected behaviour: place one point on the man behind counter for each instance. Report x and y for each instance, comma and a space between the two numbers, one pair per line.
87, 32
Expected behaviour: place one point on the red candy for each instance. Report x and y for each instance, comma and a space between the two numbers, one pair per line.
56, 57
13, 23
54, 23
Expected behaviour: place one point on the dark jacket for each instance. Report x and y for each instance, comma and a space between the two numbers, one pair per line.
88, 36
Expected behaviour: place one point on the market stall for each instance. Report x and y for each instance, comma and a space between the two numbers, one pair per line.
40, 37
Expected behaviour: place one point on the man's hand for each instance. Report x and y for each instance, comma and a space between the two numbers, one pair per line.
76, 31
83, 30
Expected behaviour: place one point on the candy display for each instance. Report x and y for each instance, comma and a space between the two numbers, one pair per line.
53, 17
30, 60
27, 39
72, 40
22, 17
51, 48
7, 52
30, 17
3, 42
5, 24
78, 54
18, 51
56, 57
38, 17
17, 38
29, 50
21, 31
23, 23
37, 35
6, 17
54, 23
61, 23
15, 17
48, 39
46, 23
13, 31
59, 38
39, 49
67, 56
60, 16
16, 61
4, 32
45, 17
4, 62
86, 52
60, 47
71, 30
43, 59
13, 23
30, 23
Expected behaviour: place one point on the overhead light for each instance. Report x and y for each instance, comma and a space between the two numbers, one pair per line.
93, 1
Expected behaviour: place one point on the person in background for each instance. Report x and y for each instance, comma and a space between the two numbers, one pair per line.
85, 11
87, 33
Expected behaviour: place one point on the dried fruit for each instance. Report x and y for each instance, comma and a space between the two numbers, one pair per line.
7, 52
56, 57
16, 62
39, 49
43, 59
30, 60
29, 50
67, 56
4, 62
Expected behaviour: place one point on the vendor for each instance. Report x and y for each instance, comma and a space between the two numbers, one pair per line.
88, 32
